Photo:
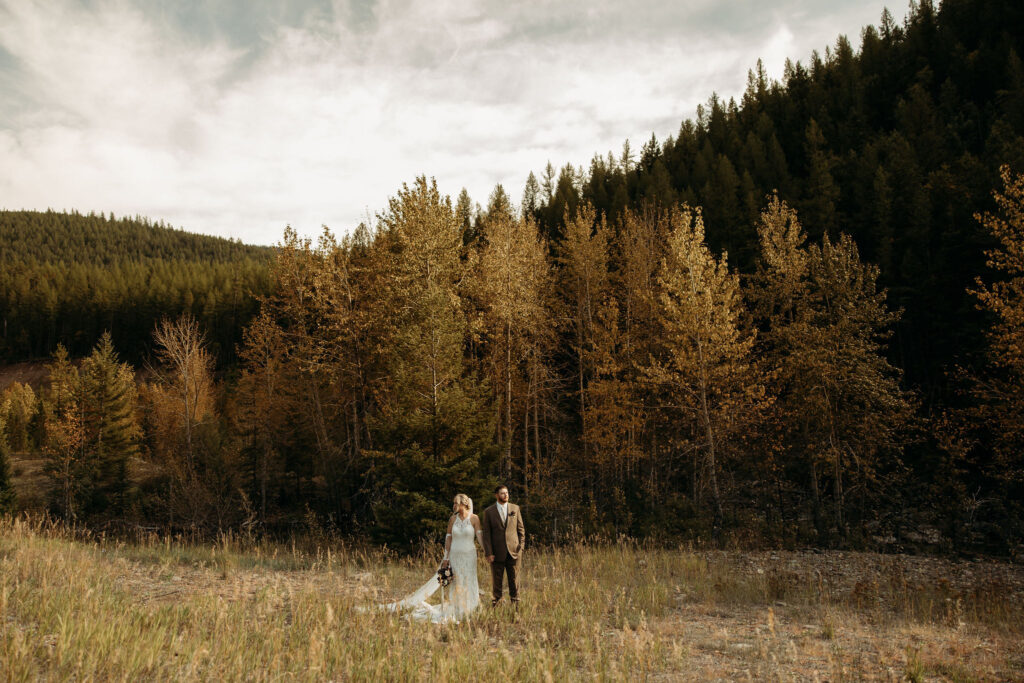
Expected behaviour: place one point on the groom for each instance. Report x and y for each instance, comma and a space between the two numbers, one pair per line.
504, 540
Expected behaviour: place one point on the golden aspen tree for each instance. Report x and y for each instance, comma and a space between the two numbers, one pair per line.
316, 307
265, 397
640, 249
703, 366
65, 464
352, 320
186, 374
584, 283
999, 392
16, 403
181, 415
513, 275
840, 405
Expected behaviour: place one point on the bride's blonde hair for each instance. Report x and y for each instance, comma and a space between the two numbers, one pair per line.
464, 500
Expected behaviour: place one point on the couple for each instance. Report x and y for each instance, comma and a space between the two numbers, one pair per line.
502, 536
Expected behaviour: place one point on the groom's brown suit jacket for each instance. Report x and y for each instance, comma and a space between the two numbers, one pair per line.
503, 539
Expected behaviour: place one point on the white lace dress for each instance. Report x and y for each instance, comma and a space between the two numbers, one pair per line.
462, 596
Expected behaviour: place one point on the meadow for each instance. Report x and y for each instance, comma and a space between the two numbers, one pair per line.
79, 606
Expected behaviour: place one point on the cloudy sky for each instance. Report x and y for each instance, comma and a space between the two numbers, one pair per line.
238, 117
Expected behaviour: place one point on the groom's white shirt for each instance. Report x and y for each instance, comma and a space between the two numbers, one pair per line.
503, 511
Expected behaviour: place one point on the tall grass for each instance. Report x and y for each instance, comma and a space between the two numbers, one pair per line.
77, 606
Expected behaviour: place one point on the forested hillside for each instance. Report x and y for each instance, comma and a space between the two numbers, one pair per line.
66, 278
896, 142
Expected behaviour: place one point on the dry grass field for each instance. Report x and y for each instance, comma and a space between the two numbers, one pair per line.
79, 607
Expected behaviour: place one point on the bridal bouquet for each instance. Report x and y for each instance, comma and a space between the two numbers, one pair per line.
445, 575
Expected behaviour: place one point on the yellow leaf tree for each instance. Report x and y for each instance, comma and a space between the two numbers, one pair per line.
513, 280
840, 407
703, 368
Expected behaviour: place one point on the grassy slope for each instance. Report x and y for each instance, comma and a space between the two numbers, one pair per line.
163, 609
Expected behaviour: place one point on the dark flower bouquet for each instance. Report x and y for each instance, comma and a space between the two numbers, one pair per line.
445, 575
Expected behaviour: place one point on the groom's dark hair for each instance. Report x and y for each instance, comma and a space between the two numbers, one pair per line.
500, 487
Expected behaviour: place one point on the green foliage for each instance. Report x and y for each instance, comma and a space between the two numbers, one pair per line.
7, 497
16, 407
432, 434
111, 432
65, 278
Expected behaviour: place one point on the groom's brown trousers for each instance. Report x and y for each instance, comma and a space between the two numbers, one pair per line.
499, 568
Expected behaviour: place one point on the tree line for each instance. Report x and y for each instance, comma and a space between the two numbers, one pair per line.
627, 379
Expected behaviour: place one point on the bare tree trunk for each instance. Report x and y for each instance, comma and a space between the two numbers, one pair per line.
536, 415
838, 474
434, 445
263, 481
706, 413
526, 446
508, 399
817, 496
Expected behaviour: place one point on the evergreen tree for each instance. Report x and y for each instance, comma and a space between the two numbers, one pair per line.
111, 432
531, 197
434, 429
987, 436
464, 215
7, 496
821, 194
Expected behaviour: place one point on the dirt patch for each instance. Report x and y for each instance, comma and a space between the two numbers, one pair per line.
32, 373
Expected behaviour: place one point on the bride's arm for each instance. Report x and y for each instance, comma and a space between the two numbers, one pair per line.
479, 532
448, 540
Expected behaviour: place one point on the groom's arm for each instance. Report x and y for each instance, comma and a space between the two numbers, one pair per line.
521, 531
485, 527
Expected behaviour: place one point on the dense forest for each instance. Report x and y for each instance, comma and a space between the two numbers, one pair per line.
798, 321
897, 145
65, 278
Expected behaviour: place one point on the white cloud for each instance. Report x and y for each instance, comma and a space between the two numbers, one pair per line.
114, 108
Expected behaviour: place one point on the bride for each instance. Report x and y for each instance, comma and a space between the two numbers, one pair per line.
460, 555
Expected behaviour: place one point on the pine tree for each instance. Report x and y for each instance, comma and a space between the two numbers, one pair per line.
108, 395
7, 495
821, 194
433, 431
464, 215
531, 197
